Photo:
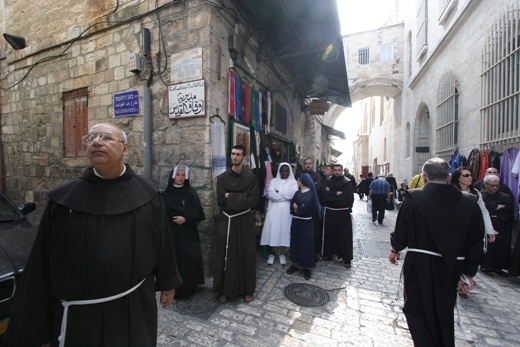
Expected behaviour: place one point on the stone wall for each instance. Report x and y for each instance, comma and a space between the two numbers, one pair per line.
57, 60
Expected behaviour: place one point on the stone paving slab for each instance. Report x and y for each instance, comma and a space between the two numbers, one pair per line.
364, 307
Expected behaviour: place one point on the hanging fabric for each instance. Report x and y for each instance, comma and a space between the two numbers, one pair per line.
473, 161
484, 164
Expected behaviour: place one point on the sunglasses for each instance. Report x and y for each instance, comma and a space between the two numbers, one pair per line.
467, 175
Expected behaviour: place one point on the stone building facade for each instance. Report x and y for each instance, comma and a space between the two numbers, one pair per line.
459, 86
79, 56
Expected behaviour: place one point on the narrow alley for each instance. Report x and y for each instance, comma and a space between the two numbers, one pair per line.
363, 308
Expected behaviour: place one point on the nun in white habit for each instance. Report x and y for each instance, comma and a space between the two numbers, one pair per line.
276, 232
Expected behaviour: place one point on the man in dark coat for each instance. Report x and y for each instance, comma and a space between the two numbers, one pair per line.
235, 255
503, 188
501, 210
379, 192
338, 197
102, 251
351, 177
443, 229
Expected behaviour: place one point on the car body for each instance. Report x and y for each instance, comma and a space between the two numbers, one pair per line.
17, 235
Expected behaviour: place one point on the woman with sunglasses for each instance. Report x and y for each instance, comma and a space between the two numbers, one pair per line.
462, 178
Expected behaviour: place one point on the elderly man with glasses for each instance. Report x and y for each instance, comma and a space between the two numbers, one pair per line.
501, 210
102, 251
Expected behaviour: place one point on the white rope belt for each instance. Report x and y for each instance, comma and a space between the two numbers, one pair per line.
304, 218
417, 250
337, 209
66, 305
228, 227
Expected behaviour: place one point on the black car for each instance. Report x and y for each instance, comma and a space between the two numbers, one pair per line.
17, 235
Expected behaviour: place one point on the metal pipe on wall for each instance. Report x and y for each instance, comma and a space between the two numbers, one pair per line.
148, 131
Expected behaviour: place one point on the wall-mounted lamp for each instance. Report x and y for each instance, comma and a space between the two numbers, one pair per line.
17, 42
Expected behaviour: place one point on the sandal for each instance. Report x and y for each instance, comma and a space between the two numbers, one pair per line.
248, 298
347, 264
222, 298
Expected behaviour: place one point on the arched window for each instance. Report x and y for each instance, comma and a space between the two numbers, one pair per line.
500, 80
447, 117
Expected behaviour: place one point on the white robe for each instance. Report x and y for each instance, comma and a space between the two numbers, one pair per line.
277, 225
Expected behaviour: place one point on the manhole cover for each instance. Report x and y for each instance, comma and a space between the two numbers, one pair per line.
201, 304
306, 294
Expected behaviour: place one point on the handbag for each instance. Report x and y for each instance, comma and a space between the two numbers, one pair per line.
369, 206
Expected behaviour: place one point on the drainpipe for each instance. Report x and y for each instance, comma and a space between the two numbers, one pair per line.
148, 131
147, 102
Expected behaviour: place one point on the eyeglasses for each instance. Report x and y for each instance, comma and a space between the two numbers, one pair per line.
467, 175
105, 137
492, 185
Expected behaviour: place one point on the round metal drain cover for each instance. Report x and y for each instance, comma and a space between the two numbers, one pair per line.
306, 294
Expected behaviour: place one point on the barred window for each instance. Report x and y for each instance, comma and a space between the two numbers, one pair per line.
447, 120
387, 52
500, 80
75, 122
364, 56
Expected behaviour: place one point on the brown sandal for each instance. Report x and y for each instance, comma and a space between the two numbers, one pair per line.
248, 298
222, 298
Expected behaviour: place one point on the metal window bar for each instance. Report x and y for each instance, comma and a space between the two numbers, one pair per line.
500, 80
447, 113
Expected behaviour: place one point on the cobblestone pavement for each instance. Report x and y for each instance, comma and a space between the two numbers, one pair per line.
363, 310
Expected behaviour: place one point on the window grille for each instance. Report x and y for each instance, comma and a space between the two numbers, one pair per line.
500, 80
364, 56
447, 115
75, 122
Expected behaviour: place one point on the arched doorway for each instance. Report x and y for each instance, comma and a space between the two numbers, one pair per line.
422, 138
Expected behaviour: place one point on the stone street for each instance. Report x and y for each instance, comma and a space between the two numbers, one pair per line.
364, 306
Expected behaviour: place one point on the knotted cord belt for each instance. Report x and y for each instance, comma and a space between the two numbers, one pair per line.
229, 227
67, 304
457, 305
418, 250
304, 218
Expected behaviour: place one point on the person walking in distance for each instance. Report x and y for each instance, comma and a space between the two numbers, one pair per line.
235, 256
443, 230
102, 251
379, 193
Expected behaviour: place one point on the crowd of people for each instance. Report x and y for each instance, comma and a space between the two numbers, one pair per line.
448, 223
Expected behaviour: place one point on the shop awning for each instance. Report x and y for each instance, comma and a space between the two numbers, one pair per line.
333, 131
305, 35
335, 152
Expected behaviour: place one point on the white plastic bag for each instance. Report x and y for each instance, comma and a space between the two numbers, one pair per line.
369, 206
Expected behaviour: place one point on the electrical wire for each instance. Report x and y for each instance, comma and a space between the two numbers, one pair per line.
116, 23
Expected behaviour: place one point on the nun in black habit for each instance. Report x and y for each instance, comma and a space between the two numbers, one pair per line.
184, 211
